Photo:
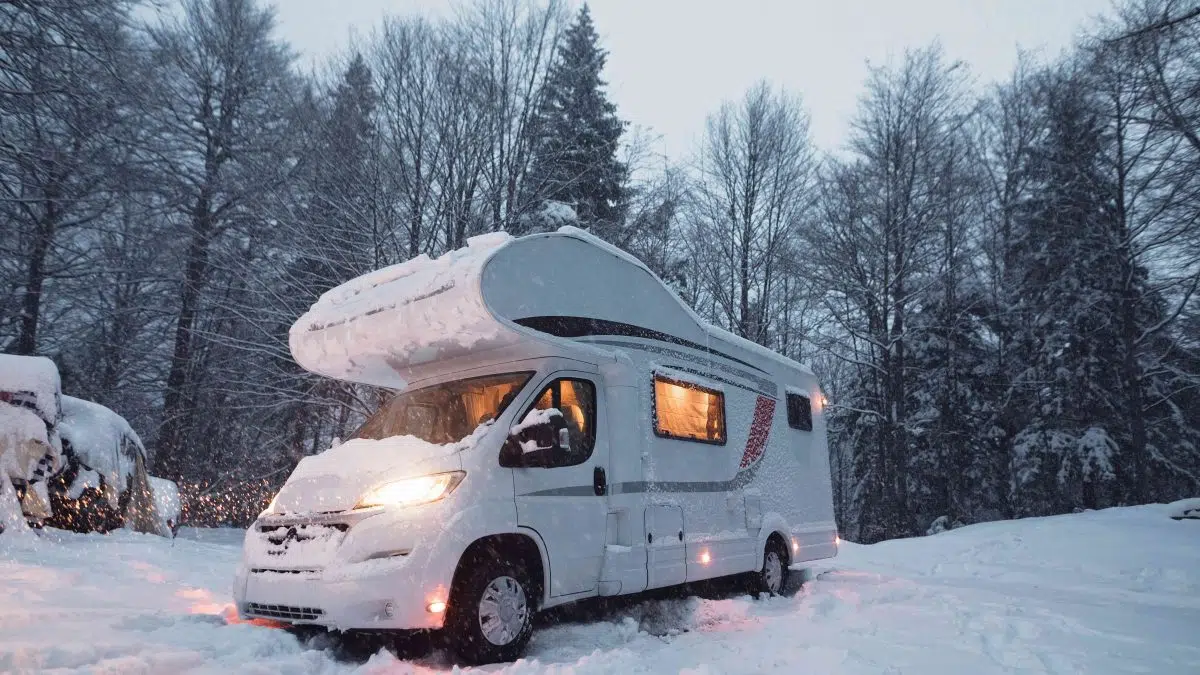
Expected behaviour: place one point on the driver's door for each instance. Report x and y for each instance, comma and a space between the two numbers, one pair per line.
562, 500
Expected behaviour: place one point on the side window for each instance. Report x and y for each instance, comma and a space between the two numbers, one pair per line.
576, 400
688, 411
799, 410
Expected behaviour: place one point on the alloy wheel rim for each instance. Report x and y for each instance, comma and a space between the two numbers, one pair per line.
503, 610
773, 572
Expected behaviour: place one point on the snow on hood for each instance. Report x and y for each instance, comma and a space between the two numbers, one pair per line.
35, 374
371, 328
97, 437
337, 478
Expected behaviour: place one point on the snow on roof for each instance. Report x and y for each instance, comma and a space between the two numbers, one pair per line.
376, 328
755, 348
97, 435
371, 327
36, 374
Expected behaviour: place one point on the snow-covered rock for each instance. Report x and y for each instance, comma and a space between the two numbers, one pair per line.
1185, 508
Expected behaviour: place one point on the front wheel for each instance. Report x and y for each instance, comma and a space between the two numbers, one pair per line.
490, 617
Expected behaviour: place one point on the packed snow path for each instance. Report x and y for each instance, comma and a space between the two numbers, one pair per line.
1101, 592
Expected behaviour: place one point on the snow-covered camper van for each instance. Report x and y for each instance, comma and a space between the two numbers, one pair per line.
30, 450
564, 428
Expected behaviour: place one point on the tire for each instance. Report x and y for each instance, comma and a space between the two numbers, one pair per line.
490, 615
773, 577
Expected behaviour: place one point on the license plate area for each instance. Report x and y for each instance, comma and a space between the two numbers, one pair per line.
298, 546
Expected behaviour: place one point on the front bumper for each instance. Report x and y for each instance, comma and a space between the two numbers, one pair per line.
367, 570
381, 599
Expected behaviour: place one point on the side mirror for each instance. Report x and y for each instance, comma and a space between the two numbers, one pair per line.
536, 440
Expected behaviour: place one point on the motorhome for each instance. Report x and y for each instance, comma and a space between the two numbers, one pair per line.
563, 427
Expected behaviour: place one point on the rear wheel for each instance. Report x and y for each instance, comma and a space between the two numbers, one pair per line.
490, 616
773, 576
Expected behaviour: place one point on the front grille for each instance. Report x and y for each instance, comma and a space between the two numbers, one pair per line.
279, 538
269, 527
285, 612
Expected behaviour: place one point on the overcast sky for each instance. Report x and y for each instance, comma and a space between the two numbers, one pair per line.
672, 62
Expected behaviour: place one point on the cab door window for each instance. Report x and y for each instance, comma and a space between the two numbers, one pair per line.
576, 400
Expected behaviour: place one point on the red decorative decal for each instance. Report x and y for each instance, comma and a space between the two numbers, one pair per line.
760, 429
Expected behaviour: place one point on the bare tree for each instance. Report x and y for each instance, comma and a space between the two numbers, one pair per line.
510, 44
877, 248
224, 138
752, 191
62, 115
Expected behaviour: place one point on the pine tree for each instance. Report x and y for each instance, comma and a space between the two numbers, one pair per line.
1069, 342
577, 133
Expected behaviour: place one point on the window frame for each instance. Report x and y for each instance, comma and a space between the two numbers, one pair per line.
593, 422
798, 424
655, 378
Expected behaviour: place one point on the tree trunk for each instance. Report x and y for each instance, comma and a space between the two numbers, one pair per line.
170, 460
35, 279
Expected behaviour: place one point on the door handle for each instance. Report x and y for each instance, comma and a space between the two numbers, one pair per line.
599, 481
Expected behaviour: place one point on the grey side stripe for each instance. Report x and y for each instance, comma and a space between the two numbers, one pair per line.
571, 491
640, 486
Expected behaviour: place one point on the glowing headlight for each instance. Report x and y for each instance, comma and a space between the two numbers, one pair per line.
412, 491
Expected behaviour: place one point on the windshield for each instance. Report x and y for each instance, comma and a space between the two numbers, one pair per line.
444, 413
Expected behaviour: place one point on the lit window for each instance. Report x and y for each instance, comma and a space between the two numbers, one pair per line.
688, 411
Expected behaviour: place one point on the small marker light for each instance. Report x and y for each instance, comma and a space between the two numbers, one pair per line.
795, 546
705, 558
389, 610
436, 607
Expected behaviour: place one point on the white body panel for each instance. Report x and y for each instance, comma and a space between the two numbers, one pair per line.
670, 511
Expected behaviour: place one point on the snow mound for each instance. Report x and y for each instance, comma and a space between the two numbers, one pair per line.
371, 328
18, 458
166, 500
12, 519
35, 374
101, 439
18, 425
1185, 508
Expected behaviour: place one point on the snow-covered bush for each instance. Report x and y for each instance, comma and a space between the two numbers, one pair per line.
942, 524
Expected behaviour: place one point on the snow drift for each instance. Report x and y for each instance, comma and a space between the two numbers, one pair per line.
1098, 592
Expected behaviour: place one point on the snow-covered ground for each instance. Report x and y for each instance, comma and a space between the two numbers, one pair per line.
1111, 591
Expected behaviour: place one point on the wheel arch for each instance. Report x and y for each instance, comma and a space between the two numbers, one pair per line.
523, 545
773, 525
